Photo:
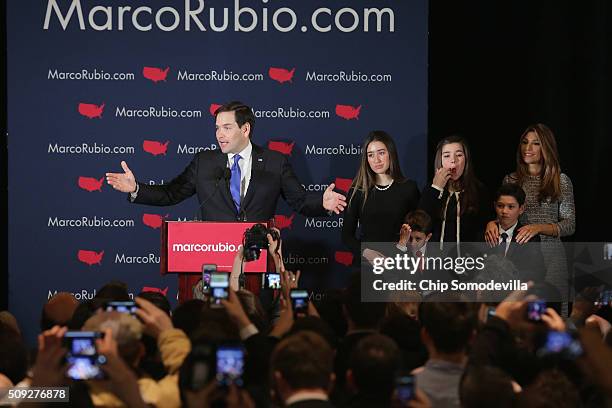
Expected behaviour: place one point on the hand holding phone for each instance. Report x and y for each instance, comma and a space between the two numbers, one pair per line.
271, 281
404, 387
299, 302
219, 287
230, 365
207, 270
82, 356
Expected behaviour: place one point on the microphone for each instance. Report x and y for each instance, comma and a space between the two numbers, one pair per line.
219, 174
241, 215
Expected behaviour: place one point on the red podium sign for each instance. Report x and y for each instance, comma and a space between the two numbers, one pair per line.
189, 245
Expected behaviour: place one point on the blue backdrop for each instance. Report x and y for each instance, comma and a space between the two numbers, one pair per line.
91, 83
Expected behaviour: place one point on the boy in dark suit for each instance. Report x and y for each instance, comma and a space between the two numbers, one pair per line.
527, 258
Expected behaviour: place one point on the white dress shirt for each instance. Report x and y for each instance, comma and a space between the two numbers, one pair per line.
510, 233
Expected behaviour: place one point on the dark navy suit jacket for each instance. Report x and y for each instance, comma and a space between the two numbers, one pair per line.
271, 177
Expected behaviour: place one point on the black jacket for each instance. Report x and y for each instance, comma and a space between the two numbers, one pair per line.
271, 178
527, 258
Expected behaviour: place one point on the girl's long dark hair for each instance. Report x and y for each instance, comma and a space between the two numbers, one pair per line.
468, 182
365, 179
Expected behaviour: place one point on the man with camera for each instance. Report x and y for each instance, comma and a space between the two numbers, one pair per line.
240, 181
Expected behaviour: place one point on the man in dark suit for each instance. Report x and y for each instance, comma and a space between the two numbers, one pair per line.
527, 258
240, 181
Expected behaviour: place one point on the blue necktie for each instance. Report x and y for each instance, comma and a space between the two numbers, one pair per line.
235, 182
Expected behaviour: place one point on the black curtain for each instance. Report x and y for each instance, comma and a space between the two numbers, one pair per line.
496, 67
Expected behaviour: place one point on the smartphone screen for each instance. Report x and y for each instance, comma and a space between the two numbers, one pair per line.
82, 356
404, 387
122, 307
535, 310
219, 287
299, 300
207, 270
490, 312
271, 281
605, 298
562, 344
230, 365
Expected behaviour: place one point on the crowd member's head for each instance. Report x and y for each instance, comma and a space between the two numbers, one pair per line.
551, 389
372, 367
331, 310
158, 299
253, 308
420, 224
300, 363
235, 123
9, 322
115, 291
127, 332
316, 325
379, 157
448, 327
453, 154
486, 386
361, 315
83, 311
509, 204
537, 146
404, 330
187, 316
13, 354
58, 310
214, 325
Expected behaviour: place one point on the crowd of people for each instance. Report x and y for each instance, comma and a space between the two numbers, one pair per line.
336, 352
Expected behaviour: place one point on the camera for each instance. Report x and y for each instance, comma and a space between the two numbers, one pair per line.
230, 365
207, 362
535, 310
121, 307
299, 302
82, 356
605, 298
255, 239
560, 344
219, 286
271, 281
404, 386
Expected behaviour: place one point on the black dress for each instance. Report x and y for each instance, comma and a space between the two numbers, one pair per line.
382, 216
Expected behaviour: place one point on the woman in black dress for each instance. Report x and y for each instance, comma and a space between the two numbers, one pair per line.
456, 201
379, 198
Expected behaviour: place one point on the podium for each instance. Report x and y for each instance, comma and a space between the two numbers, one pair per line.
188, 245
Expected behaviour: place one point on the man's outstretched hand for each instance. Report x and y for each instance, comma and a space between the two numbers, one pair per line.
124, 182
332, 201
